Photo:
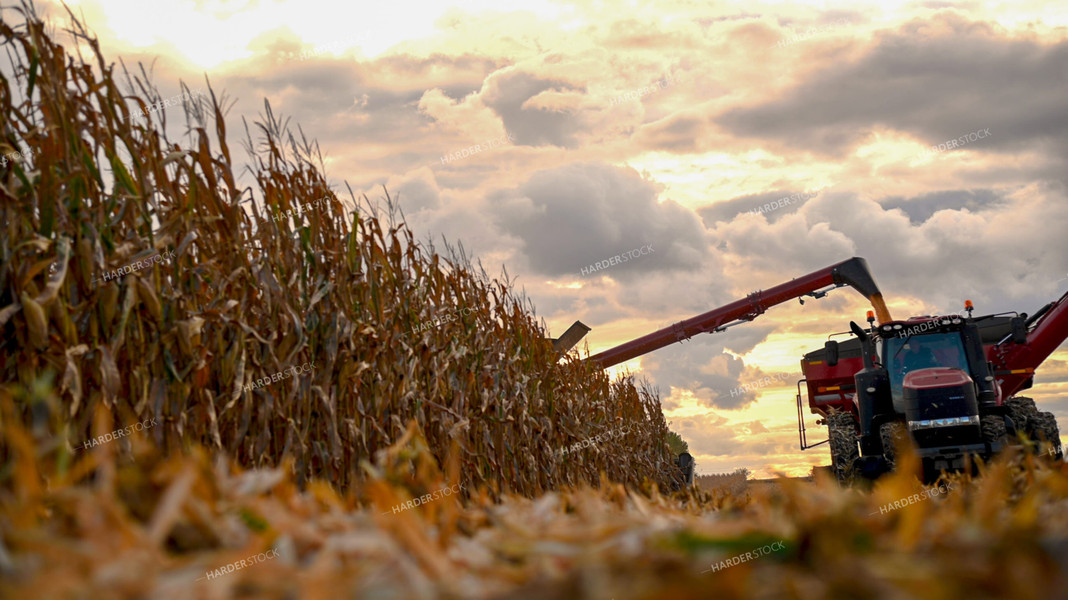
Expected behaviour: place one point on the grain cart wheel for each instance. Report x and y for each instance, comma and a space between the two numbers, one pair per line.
892, 435
1045, 428
842, 433
1022, 410
995, 434
1037, 425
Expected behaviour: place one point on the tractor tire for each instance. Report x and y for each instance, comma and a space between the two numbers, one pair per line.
842, 433
995, 434
1022, 410
893, 435
1045, 429
1039, 426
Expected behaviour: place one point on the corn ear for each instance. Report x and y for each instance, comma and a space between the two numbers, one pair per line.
36, 323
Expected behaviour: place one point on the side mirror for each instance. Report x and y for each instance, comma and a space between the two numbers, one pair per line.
831, 348
858, 331
1019, 330
865, 344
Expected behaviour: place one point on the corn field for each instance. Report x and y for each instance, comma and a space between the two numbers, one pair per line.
291, 279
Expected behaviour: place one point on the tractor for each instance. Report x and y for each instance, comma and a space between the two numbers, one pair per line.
943, 382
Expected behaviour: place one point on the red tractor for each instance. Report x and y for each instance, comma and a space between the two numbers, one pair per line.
948, 382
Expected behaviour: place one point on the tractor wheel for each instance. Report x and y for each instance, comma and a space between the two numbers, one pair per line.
1037, 425
893, 435
1045, 428
842, 433
1022, 410
994, 432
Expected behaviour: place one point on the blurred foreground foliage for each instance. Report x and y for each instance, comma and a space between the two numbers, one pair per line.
154, 527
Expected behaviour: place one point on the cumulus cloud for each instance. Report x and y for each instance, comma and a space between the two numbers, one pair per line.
703, 366
572, 216
935, 78
774, 205
922, 207
418, 192
954, 253
713, 436
525, 103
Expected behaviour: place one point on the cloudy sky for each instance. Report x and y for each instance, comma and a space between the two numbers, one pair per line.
558, 134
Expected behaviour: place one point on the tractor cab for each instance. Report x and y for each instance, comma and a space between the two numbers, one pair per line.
953, 346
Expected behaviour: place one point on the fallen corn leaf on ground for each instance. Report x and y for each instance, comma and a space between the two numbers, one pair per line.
156, 526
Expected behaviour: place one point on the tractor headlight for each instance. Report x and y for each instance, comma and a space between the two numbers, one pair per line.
948, 422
